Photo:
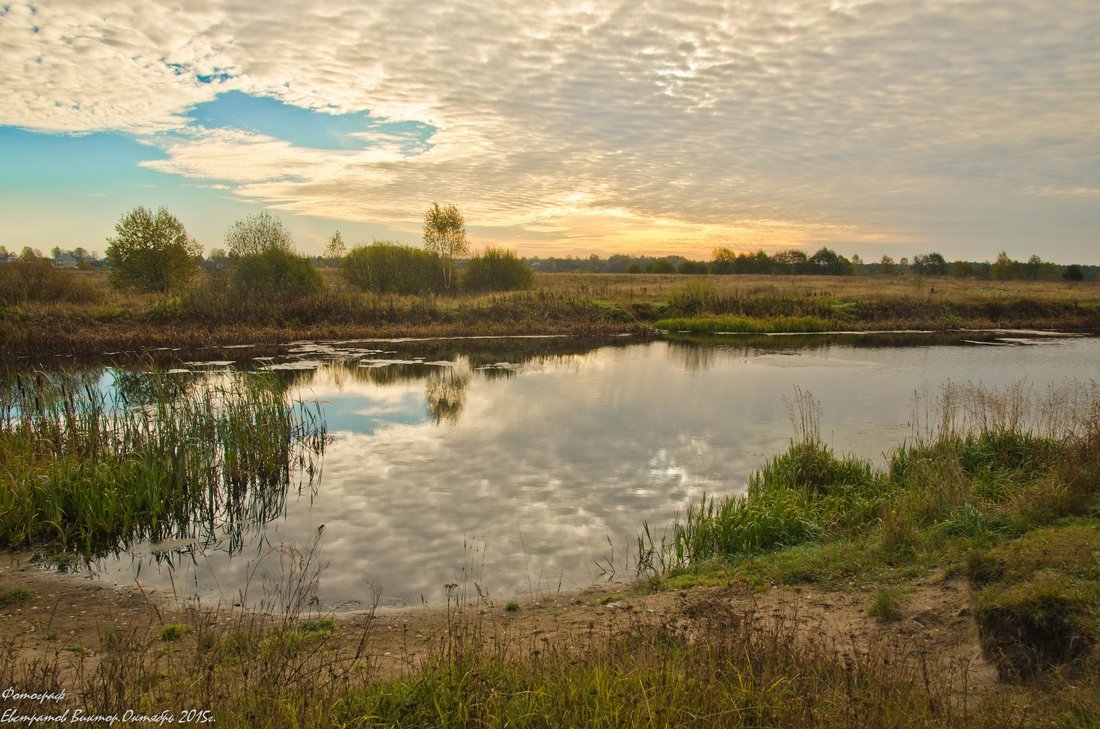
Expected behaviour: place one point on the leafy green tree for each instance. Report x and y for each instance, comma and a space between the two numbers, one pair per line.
887, 266
445, 235
258, 233
1074, 272
962, 269
792, 261
929, 264
691, 267
152, 252
497, 269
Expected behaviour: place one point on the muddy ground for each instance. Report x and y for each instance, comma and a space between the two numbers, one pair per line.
72, 618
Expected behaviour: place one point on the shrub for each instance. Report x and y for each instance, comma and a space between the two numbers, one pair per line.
389, 268
275, 274
36, 279
497, 270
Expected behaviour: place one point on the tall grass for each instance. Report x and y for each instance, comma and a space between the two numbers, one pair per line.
983, 464
95, 468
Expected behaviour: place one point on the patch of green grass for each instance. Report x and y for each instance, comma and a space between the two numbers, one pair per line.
1037, 598
174, 631
159, 457
608, 599
317, 625
886, 605
15, 596
512, 606
746, 325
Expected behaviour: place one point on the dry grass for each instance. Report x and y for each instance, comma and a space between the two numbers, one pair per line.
575, 304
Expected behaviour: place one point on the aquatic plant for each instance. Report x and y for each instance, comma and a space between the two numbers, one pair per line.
182, 456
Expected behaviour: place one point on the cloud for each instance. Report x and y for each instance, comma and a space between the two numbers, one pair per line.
689, 123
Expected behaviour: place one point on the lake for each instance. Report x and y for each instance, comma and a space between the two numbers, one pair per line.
525, 465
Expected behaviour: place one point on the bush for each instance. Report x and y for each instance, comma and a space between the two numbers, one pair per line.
275, 273
497, 270
37, 280
388, 268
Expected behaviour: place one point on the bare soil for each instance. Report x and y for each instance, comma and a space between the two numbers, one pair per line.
72, 618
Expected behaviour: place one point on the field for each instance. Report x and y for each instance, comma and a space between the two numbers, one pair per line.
93, 319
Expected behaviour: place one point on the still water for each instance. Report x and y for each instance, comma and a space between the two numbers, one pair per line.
516, 466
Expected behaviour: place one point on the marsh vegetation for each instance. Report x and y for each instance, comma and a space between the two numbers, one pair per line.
156, 456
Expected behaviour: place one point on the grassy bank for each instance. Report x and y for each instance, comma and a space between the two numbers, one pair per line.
1003, 486
101, 320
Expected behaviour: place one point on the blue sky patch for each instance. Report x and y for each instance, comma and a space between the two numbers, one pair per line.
305, 127
67, 159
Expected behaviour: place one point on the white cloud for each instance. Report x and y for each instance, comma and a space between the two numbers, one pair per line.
776, 122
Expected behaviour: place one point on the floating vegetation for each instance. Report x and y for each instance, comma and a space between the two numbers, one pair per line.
152, 457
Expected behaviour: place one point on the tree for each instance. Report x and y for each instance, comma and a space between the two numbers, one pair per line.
887, 266
962, 269
445, 235
336, 247
276, 275
930, 264
1074, 272
1004, 268
152, 252
258, 233
267, 267
792, 261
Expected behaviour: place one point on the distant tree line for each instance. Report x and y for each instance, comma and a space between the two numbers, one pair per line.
152, 251
825, 261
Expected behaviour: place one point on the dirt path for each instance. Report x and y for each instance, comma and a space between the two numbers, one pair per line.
71, 619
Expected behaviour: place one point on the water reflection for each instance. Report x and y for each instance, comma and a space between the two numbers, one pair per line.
467, 462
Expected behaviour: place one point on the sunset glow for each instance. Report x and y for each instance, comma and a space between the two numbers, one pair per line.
562, 128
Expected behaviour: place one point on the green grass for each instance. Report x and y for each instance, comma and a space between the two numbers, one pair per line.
158, 456
987, 490
15, 596
886, 605
745, 325
1038, 597
174, 631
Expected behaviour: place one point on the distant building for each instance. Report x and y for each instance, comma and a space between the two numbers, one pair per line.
66, 260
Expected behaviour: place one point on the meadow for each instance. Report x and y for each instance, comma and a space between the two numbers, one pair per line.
92, 318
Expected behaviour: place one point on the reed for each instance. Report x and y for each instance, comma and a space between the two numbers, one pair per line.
177, 457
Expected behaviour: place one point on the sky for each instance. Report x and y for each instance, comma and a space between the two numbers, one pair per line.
562, 128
